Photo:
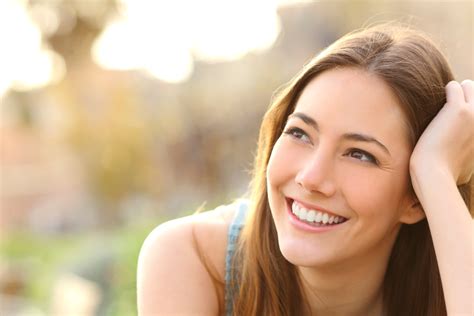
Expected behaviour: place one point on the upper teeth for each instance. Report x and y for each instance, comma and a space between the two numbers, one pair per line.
313, 216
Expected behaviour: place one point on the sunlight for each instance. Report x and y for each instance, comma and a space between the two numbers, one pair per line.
25, 63
161, 38
141, 39
164, 38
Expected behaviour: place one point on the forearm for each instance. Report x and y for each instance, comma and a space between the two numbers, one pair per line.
451, 228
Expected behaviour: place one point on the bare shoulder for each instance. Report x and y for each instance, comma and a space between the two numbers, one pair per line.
181, 265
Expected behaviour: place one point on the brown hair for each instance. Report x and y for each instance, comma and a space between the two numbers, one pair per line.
264, 282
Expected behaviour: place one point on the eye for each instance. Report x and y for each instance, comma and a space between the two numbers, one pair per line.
298, 134
362, 156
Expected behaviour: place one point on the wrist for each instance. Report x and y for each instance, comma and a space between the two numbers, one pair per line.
430, 168
430, 175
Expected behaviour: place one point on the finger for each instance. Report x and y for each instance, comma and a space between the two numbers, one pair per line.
454, 93
468, 88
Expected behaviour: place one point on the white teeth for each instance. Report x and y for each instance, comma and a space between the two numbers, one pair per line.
314, 216
303, 213
325, 218
311, 216
294, 208
319, 217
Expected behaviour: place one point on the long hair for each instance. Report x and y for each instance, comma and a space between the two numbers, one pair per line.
265, 282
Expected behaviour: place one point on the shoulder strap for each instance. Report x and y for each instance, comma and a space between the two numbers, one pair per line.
232, 237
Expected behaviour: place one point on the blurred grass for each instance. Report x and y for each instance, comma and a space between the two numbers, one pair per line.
43, 258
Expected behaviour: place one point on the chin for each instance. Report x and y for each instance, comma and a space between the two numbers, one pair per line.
306, 254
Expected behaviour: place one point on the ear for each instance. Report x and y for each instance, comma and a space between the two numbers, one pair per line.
412, 213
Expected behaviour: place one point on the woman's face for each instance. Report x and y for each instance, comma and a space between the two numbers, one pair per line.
338, 178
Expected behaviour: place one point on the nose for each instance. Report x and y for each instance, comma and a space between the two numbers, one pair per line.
316, 173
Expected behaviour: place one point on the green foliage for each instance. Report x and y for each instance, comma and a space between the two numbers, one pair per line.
44, 258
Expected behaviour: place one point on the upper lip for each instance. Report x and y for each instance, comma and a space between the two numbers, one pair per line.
314, 207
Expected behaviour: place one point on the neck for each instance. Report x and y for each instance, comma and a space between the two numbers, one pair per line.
349, 288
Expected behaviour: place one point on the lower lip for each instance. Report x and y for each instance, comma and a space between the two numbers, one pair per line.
295, 221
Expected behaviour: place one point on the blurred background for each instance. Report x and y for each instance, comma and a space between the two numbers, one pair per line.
117, 115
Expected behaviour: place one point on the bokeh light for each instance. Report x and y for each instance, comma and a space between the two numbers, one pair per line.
164, 37
25, 61
117, 115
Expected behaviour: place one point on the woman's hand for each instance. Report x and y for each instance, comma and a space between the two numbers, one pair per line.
447, 144
442, 159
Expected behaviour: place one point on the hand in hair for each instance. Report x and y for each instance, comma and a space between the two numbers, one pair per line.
442, 159
447, 144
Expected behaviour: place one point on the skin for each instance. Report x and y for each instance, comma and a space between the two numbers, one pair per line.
174, 279
444, 157
343, 269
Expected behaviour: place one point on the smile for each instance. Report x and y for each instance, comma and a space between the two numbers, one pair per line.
312, 219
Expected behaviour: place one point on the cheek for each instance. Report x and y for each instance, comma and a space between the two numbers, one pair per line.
373, 192
278, 166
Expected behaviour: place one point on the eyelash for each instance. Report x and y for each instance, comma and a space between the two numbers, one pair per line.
370, 158
298, 133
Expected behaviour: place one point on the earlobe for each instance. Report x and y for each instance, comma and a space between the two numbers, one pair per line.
413, 213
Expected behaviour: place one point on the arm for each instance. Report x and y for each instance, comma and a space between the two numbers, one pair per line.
171, 278
443, 158
452, 232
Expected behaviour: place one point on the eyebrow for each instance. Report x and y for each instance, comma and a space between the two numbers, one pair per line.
350, 136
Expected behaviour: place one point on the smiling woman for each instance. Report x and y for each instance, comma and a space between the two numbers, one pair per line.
332, 167
363, 159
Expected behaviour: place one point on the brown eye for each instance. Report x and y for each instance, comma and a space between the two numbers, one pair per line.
298, 134
362, 156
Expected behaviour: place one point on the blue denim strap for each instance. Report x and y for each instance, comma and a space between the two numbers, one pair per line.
232, 237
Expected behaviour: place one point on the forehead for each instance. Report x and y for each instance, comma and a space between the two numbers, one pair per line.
348, 100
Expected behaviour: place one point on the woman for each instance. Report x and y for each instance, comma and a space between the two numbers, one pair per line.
359, 203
